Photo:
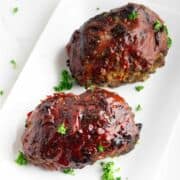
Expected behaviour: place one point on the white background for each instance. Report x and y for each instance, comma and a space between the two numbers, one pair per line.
18, 34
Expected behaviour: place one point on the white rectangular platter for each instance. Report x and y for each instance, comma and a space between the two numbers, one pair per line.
159, 99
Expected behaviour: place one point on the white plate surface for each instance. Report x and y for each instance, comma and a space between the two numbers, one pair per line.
159, 99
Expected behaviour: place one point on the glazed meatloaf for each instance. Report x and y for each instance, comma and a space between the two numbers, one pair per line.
72, 131
121, 46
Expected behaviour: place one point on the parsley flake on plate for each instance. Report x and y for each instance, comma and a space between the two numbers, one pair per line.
21, 159
14, 64
138, 107
109, 171
65, 83
69, 171
1, 92
118, 178
139, 88
15, 10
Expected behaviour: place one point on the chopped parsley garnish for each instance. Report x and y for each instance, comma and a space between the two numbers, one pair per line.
169, 42
21, 159
165, 29
118, 178
158, 26
133, 15
109, 171
138, 107
15, 10
1, 92
62, 129
14, 64
66, 82
69, 171
139, 88
100, 148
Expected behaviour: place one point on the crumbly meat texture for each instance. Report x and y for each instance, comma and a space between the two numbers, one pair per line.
99, 124
110, 49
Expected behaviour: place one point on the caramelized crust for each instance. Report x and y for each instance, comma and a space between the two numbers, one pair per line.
111, 49
94, 119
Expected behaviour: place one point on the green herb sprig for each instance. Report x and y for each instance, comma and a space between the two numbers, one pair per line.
15, 10
158, 26
65, 83
14, 64
138, 108
133, 15
139, 88
21, 159
100, 148
69, 171
62, 129
1, 92
109, 171
169, 42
